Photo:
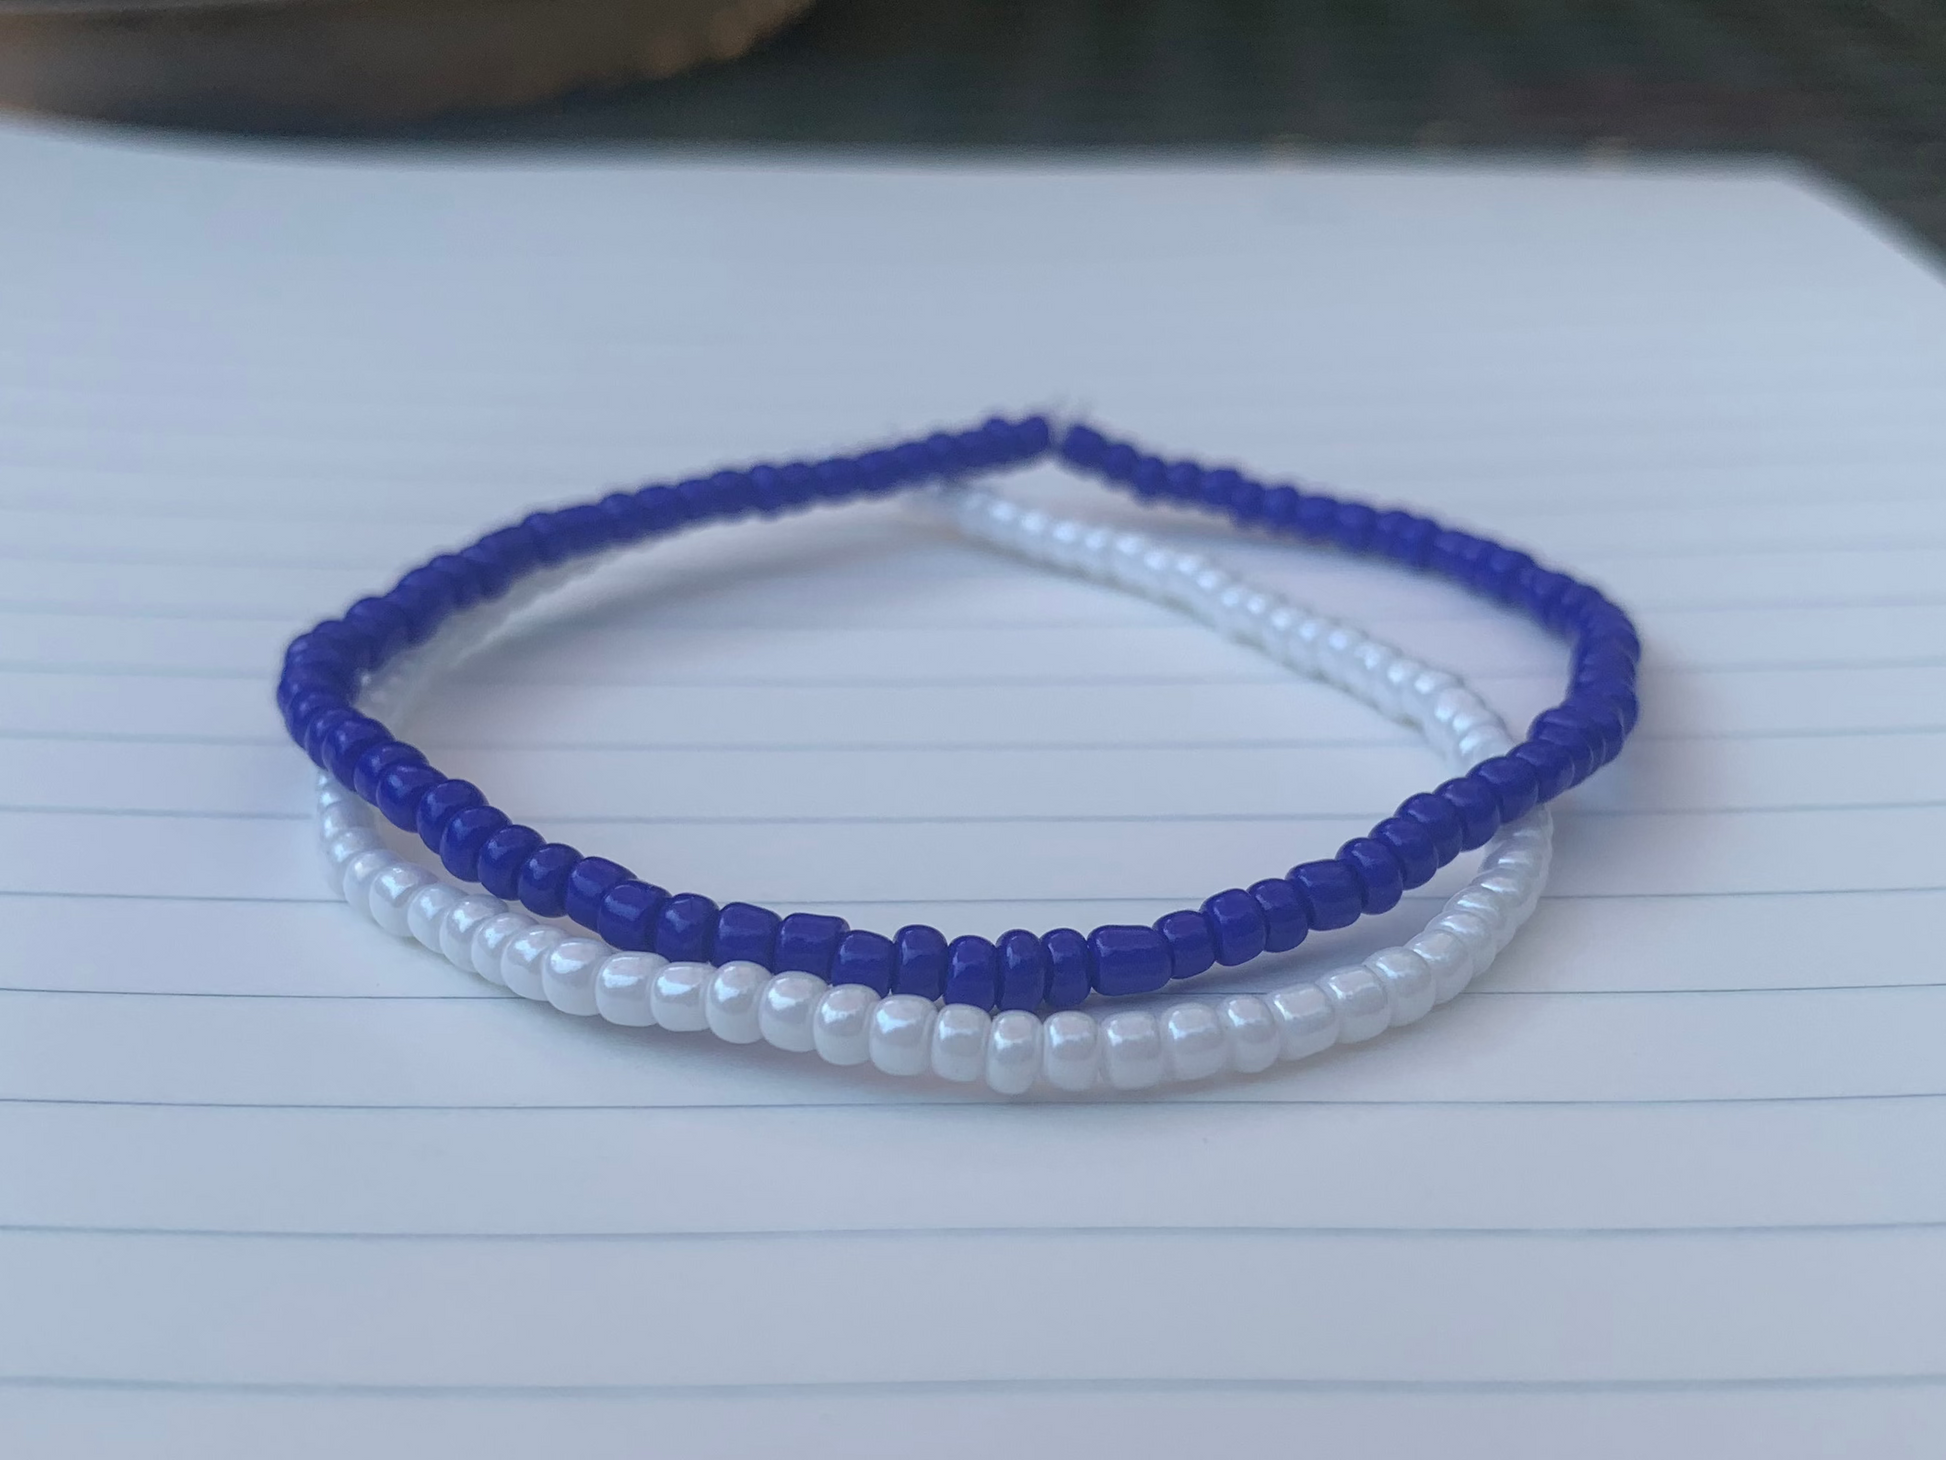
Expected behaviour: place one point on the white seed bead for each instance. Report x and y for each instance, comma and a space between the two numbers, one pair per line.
359, 874
622, 988
522, 962
341, 849
335, 821
1194, 1046
1070, 1050
1251, 1031
901, 1037
1490, 907
1131, 1049
1408, 981
676, 996
1400, 676
1476, 932
1307, 1020
1304, 649
841, 1028
1013, 1052
785, 1010
391, 890
334, 792
491, 940
1520, 892
426, 910
568, 974
731, 1003
1369, 663
959, 1043
456, 930
1483, 742
1363, 1008
1449, 956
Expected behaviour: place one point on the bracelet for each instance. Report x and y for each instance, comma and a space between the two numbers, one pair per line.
850, 1024
478, 843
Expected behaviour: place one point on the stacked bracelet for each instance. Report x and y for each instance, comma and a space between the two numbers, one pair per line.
478, 843
1011, 1052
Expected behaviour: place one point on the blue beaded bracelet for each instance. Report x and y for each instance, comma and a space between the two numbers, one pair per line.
324, 667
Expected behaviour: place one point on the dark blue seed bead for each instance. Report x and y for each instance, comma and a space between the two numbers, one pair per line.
543, 883
1603, 660
945, 456
1351, 527
684, 931
921, 966
348, 742
1247, 501
589, 884
384, 622
1478, 806
1502, 570
1381, 880
400, 790
807, 941
865, 958
835, 479
1127, 960
1192, 944
1067, 968
587, 527
1218, 488
1286, 920
439, 805
465, 834
502, 858
745, 933
1437, 817
1238, 925
1447, 551
1332, 896
1604, 717
321, 726
736, 494
1553, 766
1317, 514
972, 972
1118, 463
914, 461
377, 761
551, 543
629, 914
307, 706
1279, 512
1024, 970
1575, 733
469, 587
1538, 590
1034, 437
1084, 446
1513, 783
424, 607
1149, 479
699, 498
1388, 531
1414, 546
663, 508
1183, 481
877, 472
1411, 847
767, 483
494, 574
514, 545
628, 522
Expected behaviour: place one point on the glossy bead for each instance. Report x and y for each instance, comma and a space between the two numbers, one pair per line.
1070, 1050
491, 940
1286, 922
1449, 956
1127, 960
629, 914
920, 963
340, 851
731, 1004
686, 927
426, 912
1331, 895
959, 1043
1067, 961
543, 883
1307, 1020
359, 873
841, 1027
1192, 948
806, 943
523, 962
785, 1010
864, 958
1251, 1031
391, 891
1131, 1049
1491, 908
465, 835
439, 804
676, 996
1381, 880
501, 858
1408, 980
589, 882
1024, 969
745, 933
1237, 922
1013, 1053
622, 988
334, 821
1364, 1009
972, 972
1194, 1045
461, 923
568, 974
901, 1035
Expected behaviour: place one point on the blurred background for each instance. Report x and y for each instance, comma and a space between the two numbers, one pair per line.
1855, 88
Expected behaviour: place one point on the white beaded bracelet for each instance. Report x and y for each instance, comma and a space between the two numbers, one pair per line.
1073, 1050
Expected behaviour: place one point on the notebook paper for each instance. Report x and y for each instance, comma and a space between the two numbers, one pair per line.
1663, 1183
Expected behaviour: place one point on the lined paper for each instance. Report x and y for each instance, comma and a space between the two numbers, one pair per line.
1662, 1184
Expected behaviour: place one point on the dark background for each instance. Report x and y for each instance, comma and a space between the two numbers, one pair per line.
1857, 90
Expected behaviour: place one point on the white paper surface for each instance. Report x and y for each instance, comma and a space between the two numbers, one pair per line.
1666, 1183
